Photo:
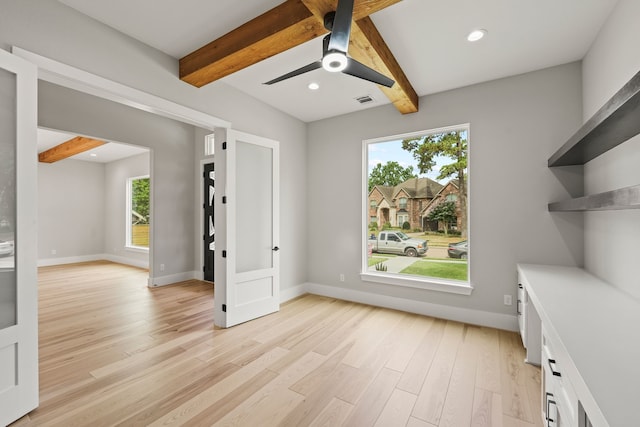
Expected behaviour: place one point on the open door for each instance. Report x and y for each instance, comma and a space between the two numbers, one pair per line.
247, 259
18, 240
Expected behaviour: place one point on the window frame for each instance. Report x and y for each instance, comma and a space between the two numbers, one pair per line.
406, 280
128, 231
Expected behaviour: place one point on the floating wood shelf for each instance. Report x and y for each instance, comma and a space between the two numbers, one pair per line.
617, 121
623, 198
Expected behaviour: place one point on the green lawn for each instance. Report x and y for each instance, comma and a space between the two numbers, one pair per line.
444, 270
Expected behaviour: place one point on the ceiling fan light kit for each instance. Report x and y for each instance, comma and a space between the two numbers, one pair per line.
334, 62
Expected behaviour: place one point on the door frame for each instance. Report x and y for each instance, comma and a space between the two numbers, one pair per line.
64, 75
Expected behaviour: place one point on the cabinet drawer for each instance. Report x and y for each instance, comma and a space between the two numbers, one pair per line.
556, 383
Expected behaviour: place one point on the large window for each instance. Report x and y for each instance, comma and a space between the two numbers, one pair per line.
138, 212
422, 181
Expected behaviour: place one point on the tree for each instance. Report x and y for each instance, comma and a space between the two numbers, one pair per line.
453, 145
445, 212
140, 198
390, 174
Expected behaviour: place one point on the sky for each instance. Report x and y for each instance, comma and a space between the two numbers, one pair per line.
383, 152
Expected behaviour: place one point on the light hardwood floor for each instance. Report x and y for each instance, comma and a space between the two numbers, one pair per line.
113, 352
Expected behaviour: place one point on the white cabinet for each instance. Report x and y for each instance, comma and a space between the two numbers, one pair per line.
559, 400
529, 324
590, 347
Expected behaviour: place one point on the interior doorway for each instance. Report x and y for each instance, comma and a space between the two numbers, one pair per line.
86, 209
209, 229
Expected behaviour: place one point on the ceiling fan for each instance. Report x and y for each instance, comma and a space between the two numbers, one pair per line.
334, 50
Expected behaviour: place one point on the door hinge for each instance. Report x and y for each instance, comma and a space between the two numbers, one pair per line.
224, 145
204, 269
224, 254
224, 308
224, 200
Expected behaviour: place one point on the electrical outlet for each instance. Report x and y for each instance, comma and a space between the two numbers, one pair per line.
508, 300
341, 277
161, 267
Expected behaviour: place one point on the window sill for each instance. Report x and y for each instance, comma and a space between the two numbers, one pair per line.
431, 284
139, 249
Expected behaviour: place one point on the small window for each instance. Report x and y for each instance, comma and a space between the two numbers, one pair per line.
138, 218
373, 204
373, 219
452, 198
403, 203
209, 142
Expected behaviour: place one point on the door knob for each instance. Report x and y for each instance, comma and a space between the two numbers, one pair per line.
275, 249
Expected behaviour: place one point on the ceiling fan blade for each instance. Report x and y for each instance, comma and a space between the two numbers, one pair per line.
302, 70
341, 30
357, 69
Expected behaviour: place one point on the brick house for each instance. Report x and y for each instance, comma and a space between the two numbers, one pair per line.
448, 193
404, 202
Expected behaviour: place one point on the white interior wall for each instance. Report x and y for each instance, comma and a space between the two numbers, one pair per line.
71, 211
51, 29
516, 123
115, 194
611, 237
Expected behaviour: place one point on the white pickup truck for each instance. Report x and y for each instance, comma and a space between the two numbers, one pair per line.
396, 242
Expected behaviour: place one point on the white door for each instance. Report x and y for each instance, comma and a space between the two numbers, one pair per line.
18, 274
247, 257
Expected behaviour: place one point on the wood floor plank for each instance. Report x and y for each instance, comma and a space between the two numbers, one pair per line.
114, 352
458, 404
487, 409
436, 385
369, 407
515, 397
334, 414
417, 369
397, 411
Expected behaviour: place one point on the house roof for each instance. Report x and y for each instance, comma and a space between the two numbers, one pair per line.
453, 182
415, 188
419, 188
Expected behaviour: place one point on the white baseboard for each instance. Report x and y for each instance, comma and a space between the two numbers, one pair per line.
127, 261
172, 278
70, 260
291, 293
95, 257
475, 317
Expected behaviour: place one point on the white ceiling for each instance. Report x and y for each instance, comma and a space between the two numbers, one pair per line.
103, 154
427, 37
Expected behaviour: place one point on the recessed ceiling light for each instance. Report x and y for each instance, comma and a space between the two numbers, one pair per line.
476, 35
313, 86
93, 155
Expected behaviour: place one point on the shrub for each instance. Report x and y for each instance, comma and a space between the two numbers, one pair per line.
373, 226
381, 267
386, 226
406, 225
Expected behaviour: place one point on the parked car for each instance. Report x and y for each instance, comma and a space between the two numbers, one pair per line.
458, 250
6, 248
396, 242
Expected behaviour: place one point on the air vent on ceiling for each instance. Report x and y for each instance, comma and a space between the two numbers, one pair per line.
364, 99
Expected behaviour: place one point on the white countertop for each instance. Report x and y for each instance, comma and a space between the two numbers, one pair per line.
599, 327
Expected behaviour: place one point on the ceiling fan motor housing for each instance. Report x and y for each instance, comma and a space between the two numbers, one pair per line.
328, 20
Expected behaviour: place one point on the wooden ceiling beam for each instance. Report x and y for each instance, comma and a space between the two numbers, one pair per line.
367, 46
275, 31
74, 146
288, 25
